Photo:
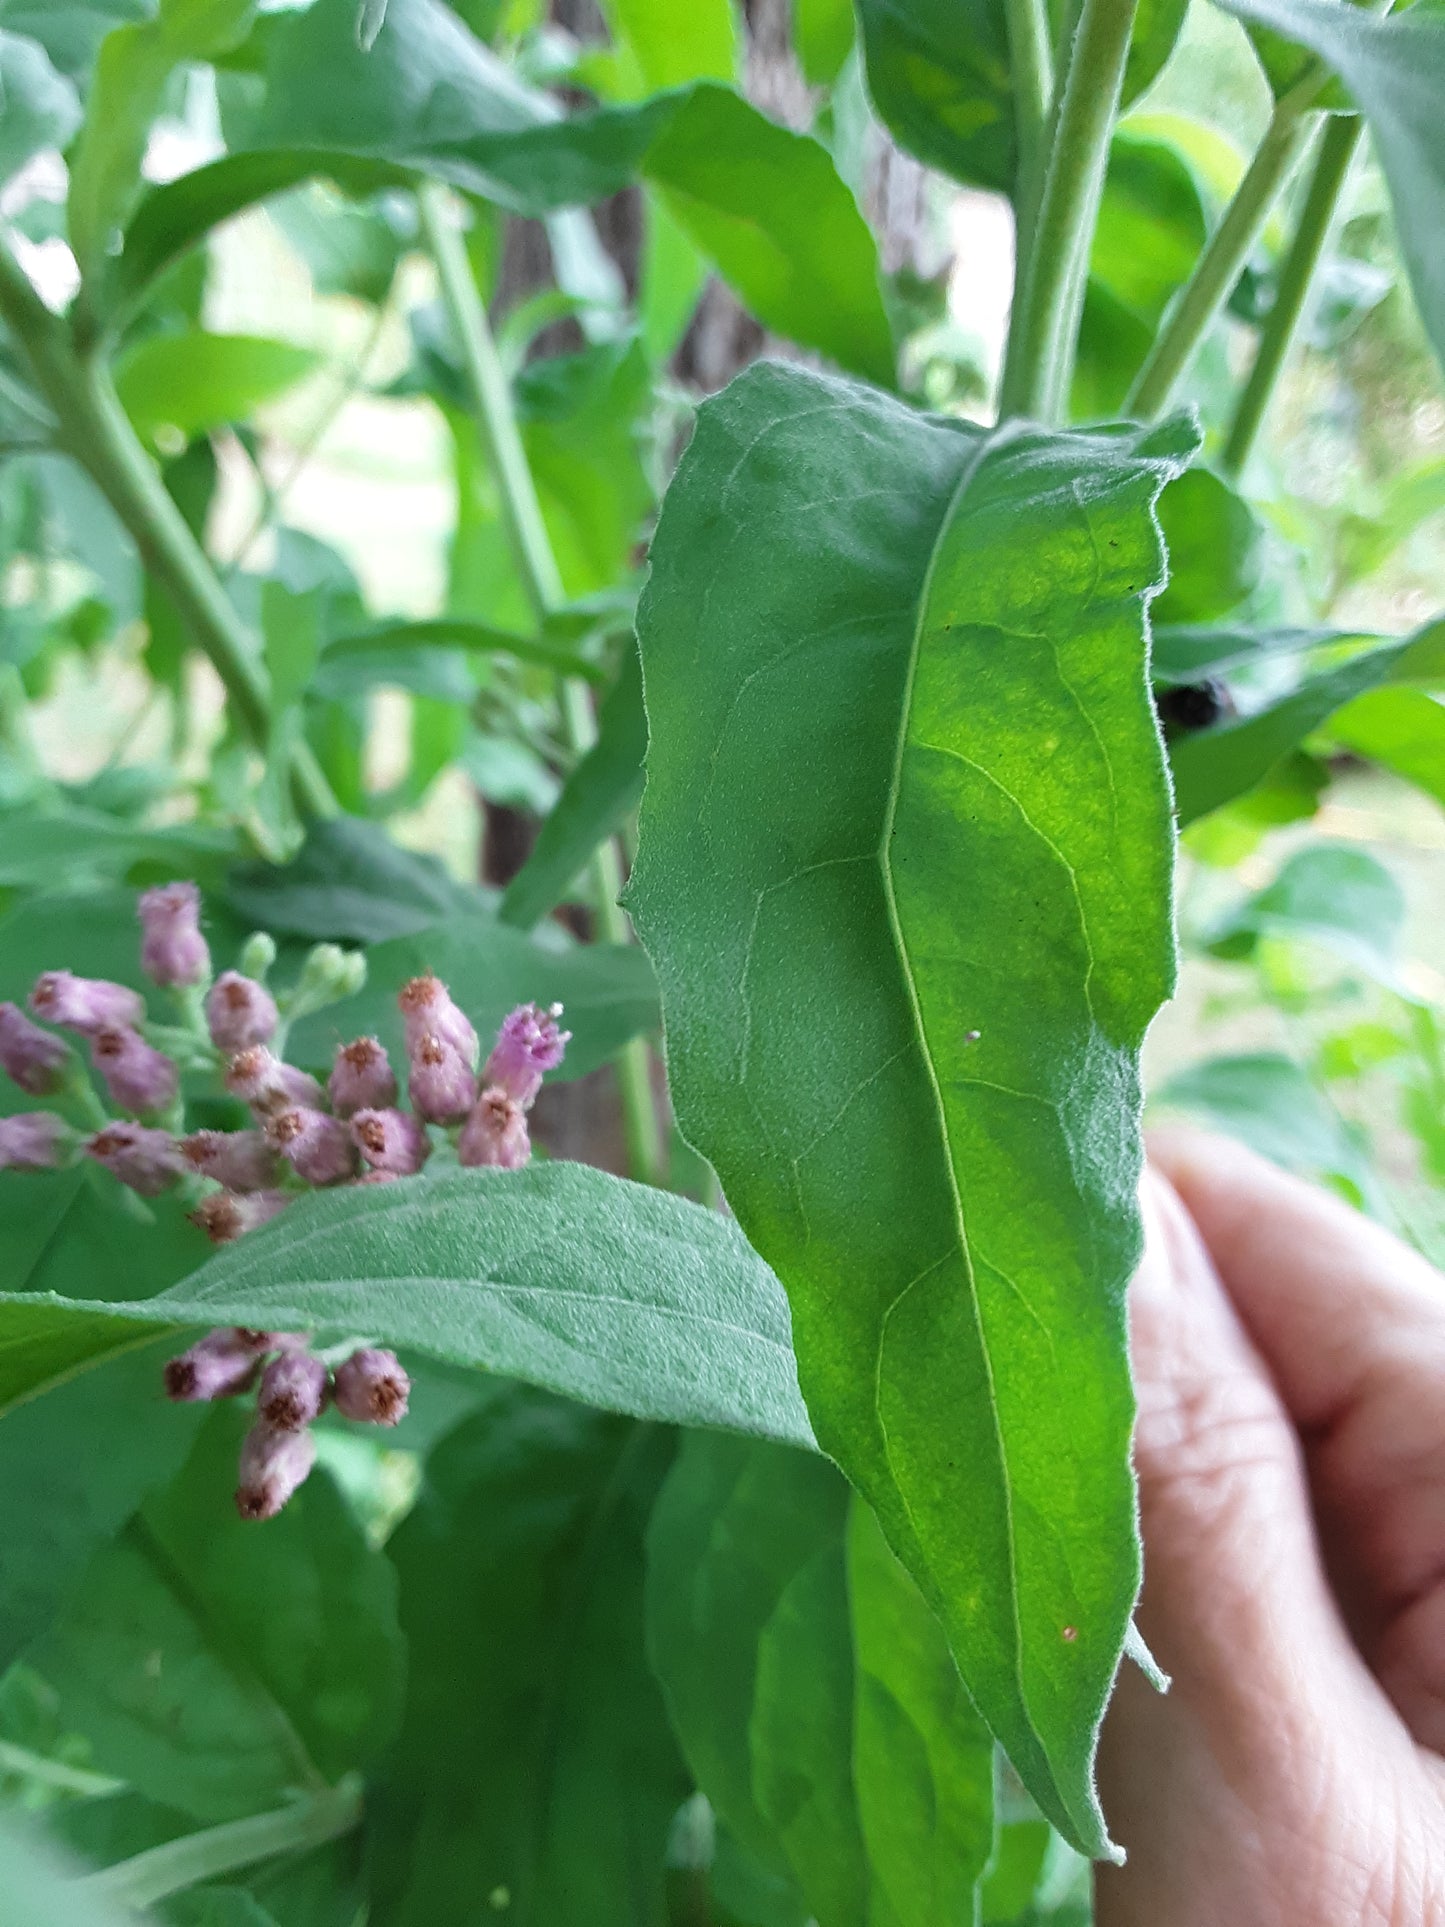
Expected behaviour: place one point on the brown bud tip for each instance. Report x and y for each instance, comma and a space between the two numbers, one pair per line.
273, 1464
373, 1387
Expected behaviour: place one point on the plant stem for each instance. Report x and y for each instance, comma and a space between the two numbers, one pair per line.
94, 430
57, 1773
1332, 164
1228, 249
491, 397
160, 1871
1041, 347
1032, 66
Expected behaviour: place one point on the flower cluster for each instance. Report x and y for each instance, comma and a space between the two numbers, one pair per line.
230, 1033
295, 1386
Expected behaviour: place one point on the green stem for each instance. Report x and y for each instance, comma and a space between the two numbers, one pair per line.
94, 430
1041, 348
491, 397
1228, 249
1031, 64
161, 1871
20, 1761
1332, 164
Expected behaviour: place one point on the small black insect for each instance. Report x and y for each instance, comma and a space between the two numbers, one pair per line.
1193, 706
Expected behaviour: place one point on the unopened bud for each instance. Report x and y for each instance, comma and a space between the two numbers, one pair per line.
34, 1141
427, 1010
318, 1147
266, 1084
372, 1386
239, 1013
240, 1160
361, 1078
173, 952
294, 1389
528, 1044
442, 1083
391, 1140
495, 1133
273, 1464
85, 1004
30, 1056
328, 974
225, 1216
146, 1161
219, 1366
137, 1075
258, 953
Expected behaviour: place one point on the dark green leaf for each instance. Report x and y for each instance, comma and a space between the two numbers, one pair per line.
348, 883
41, 107
359, 661
613, 1293
213, 1664
196, 381
599, 795
535, 1776
73, 846
897, 997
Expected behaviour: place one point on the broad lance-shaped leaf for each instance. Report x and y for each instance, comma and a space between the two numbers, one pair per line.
563, 1276
905, 877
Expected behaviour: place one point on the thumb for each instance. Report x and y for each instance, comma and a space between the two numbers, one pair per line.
1269, 1695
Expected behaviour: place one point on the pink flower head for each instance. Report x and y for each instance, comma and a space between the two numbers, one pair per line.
528, 1044
428, 1011
274, 1462
442, 1083
220, 1365
371, 1386
361, 1078
30, 1056
138, 1077
34, 1141
391, 1140
85, 1004
294, 1389
145, 1160
268, 1085
172, 950
317, 1146
224, 1216
496, 1132
239, 1013
240, 1160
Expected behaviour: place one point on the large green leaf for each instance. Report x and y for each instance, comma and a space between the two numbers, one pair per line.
1395, 69
213, 1665
348, 883
904, 1000
813, 1690
535, 1774
195, 381
560, 1275
673, 44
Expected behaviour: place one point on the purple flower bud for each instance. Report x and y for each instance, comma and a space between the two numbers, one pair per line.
138, 1077
145, 1160
85, 1004
528, 1044
495, 1133
361, 1078
294, 1389
372, 1386
318, 1147
34, 1059
239, 1013
273, 1464
428, 1011
34, 1141
268, 1085
391, 1140
442, 1084
240, 1160
224, 1216
172, 950
219, 1366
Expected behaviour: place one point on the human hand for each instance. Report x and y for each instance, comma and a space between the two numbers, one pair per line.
1290, 1361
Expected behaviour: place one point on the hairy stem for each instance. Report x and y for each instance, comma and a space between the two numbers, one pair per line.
1219, 266
1039, 362
160, 1871
94, 430
491, 397
1032, 66
1332, 165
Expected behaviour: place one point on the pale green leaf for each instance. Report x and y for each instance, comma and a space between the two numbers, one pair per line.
39, 107
195, 381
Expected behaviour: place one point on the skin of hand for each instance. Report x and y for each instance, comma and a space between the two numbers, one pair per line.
1290, 1362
